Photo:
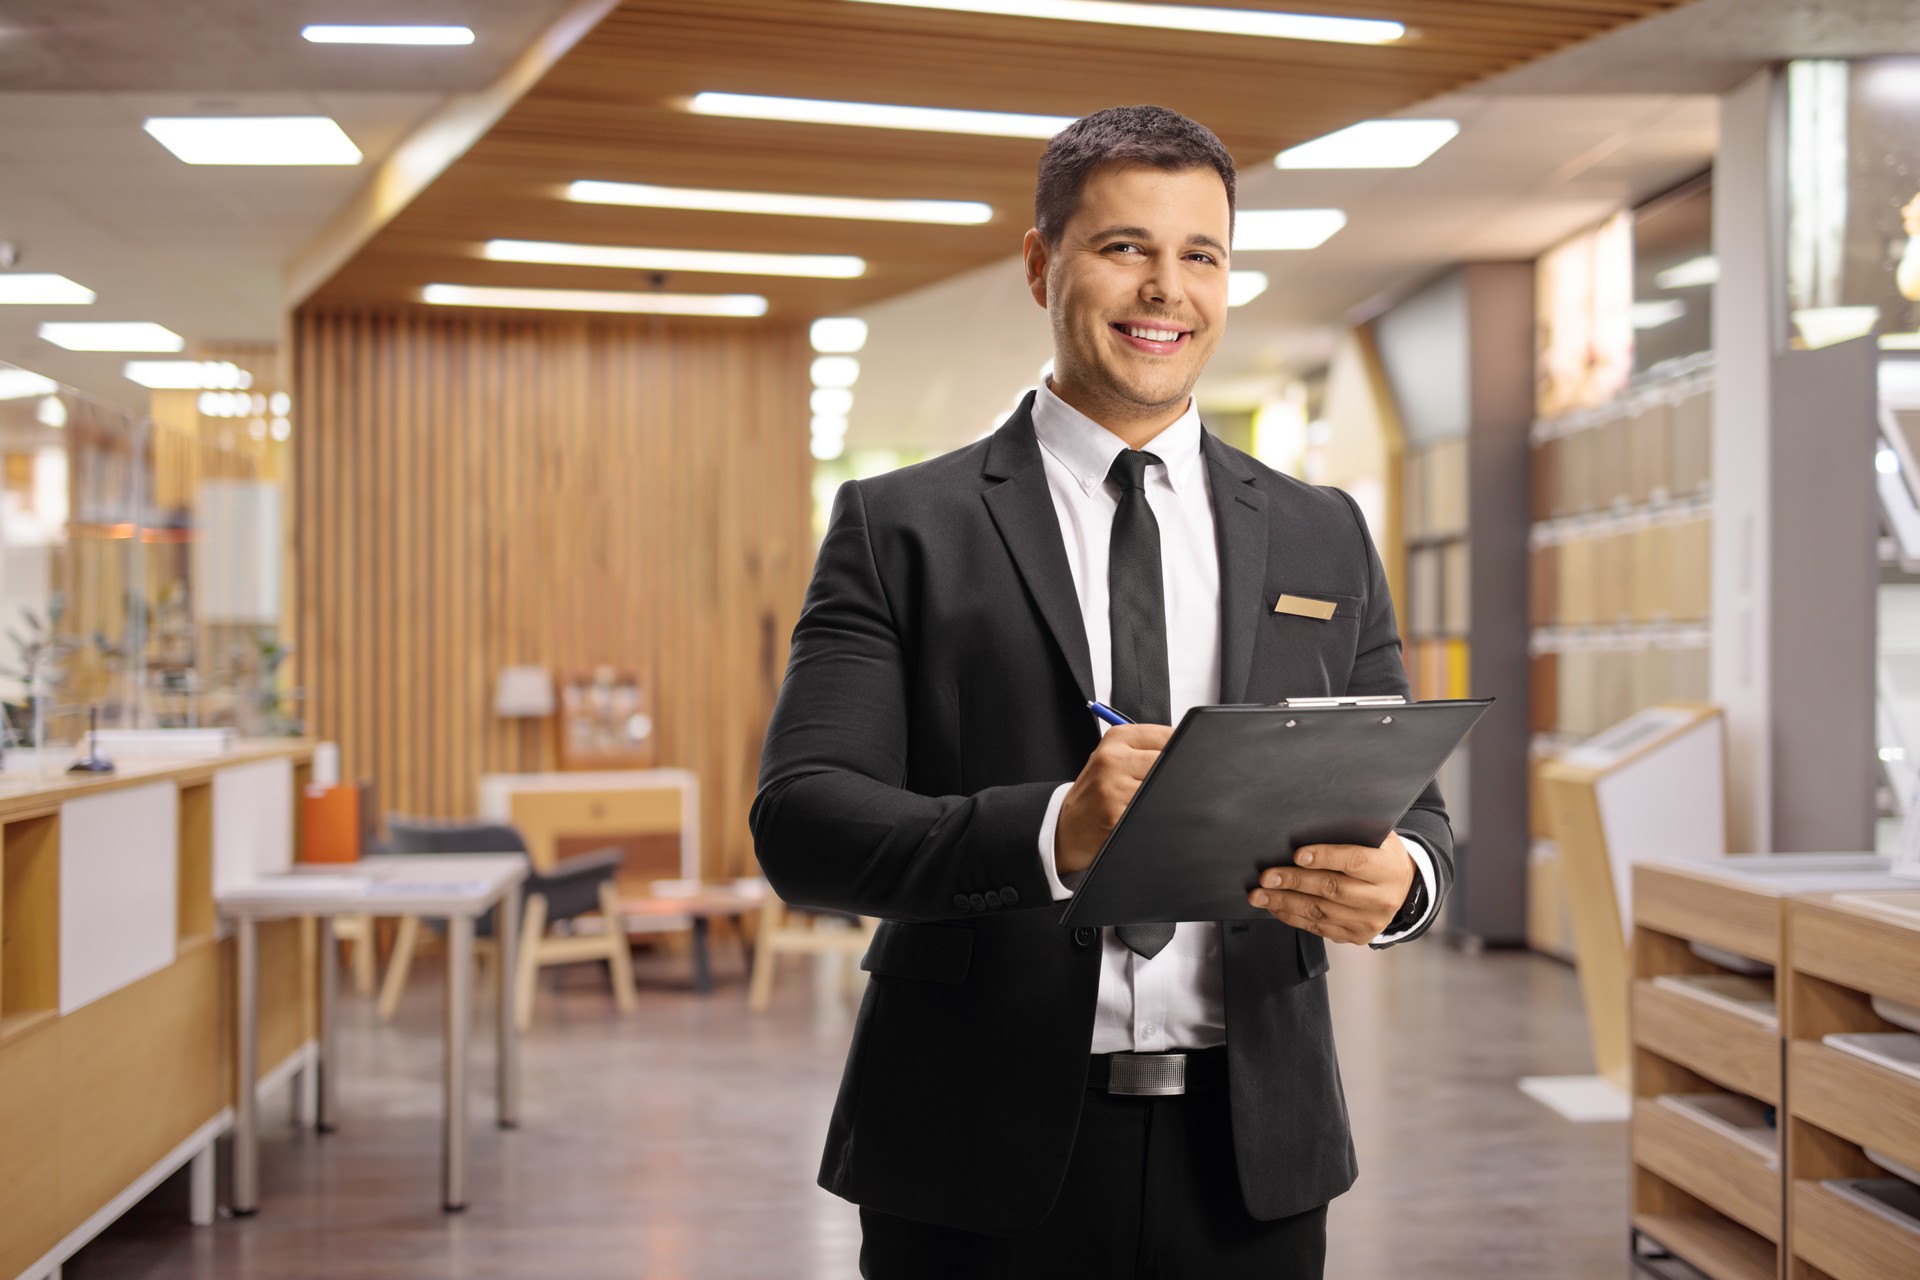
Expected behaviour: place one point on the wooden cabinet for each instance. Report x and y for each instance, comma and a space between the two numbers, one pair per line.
1852, 987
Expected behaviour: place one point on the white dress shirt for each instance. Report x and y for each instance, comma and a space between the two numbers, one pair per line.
1177, 999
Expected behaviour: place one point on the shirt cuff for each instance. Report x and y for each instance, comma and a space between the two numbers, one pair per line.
1048, 826
1423, 860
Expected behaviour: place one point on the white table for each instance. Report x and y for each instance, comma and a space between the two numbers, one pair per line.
456, 887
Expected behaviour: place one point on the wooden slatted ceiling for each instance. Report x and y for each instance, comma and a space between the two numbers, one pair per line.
474, 492
611, 109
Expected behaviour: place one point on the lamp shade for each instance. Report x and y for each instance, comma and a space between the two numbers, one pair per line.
523, 693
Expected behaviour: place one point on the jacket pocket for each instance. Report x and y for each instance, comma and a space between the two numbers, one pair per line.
927, 952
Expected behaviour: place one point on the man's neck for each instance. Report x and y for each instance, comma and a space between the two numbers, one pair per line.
1137, 429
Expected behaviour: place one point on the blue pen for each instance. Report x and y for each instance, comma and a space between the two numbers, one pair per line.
1107, 713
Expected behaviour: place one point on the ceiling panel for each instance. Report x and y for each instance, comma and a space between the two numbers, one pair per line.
613, 108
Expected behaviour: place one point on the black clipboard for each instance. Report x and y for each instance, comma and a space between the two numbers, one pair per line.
1238, 788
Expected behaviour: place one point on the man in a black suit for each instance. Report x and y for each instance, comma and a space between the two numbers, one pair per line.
1023, 1099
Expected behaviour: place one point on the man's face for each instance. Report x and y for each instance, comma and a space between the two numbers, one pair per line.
1136, 290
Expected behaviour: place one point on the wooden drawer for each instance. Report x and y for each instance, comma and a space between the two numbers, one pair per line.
1698, 907
1737, 1052
1712, 1246
1861, 1101
1849, 1241
1857, 949
544, 817
1702, 1162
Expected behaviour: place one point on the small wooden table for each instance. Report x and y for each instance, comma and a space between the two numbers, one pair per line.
700, 907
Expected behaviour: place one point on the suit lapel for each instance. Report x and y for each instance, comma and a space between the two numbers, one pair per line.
1022, 510
1240, 525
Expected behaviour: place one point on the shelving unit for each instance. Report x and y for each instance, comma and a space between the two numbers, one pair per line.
29, 924
1709, 1058
1852, 958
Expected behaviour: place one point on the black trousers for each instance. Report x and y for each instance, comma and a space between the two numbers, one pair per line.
1151, 1194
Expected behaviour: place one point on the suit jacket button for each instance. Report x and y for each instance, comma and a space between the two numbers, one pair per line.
993, 898
1008, 897
961, 902
1085, 937
979, 901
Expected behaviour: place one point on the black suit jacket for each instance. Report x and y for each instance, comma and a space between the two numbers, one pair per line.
935, 697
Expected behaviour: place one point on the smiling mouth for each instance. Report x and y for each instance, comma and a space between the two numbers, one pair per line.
1154, 339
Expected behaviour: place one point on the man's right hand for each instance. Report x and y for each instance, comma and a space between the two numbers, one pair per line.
1103, 790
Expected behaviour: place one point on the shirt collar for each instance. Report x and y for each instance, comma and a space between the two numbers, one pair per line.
1087, 449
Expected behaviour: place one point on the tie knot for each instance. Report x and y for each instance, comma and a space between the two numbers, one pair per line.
1129, 469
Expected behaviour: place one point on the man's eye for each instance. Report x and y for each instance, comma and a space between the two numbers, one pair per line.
1115, 248
1201, 257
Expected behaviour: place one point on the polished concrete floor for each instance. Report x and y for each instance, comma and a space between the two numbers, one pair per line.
680, 1144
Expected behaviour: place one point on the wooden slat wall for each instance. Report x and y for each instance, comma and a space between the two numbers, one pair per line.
475, 491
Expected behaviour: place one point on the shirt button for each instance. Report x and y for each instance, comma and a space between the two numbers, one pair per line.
1149, 1031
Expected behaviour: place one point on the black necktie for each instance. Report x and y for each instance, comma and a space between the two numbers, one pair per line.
1137, 618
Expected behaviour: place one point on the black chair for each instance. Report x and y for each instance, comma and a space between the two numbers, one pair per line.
573, 887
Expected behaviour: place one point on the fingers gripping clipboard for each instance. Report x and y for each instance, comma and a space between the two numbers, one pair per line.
1238, 788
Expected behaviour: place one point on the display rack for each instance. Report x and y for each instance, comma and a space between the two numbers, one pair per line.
1853, 970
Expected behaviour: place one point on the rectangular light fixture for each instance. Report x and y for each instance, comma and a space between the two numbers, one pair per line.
1657, 313
259, 140
1690, 274
1372, 144
948, 212
1226, 22
187, 375
18, 384
321, 34
41, 289
1258, 230
875, 115
1244, 286
133, 335
814, 266
665, 304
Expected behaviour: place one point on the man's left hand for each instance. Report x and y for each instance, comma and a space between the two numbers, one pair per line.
1343, 892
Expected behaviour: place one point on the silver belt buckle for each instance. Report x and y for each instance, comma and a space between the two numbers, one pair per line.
1157, 1075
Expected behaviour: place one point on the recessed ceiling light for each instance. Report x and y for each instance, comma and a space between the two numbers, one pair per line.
274, 140
388, 35
29, 288
818, 266
18, 384
950, 212
838, 335
875, 115
835, 371
1230, 22
1661, 311
1690, 274
831, 401
1371, 144
1263, 229
187, 375
666, 304
827, 448
1244, 286
135, 335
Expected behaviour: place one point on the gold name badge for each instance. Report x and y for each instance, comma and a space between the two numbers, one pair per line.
1306, 607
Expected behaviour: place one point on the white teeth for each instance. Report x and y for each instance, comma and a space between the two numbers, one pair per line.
1153, 335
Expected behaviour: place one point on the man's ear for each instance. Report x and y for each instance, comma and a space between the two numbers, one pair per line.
1033, 251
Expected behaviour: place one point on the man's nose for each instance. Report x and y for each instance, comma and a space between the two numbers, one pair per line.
1162, 284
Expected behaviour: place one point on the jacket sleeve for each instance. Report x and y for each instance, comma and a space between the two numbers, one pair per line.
833, 825
1377, 669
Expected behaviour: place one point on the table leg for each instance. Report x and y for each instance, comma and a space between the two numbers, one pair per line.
453, 1180
246, 1122
702, 956
329, 1008
200, 1187
506, 940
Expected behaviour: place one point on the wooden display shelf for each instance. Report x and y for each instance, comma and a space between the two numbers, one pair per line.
1709, 1024
1844, 951
1711, 1245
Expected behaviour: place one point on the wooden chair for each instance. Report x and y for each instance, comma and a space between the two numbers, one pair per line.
573, 887
358, 930
785, 931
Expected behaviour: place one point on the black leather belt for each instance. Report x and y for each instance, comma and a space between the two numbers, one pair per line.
1158, 1075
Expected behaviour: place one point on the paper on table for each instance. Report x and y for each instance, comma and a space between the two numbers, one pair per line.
309, 886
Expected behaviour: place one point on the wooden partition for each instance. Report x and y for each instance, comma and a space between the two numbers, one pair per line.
474, 491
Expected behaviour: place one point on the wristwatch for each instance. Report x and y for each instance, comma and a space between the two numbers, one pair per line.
1412, 909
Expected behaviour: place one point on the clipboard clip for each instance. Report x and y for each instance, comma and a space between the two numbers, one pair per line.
1375, 700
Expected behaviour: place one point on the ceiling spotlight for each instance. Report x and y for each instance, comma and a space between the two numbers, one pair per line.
743, 305
951, 212
133, 335
254, 140
875, 115
1178, 17
1244, 286
387, 35
18, 384
818, 266
1690, 274
1257, 230
839, 335
39, 288
839, 372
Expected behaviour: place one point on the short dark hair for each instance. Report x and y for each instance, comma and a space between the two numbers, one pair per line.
1156, 137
